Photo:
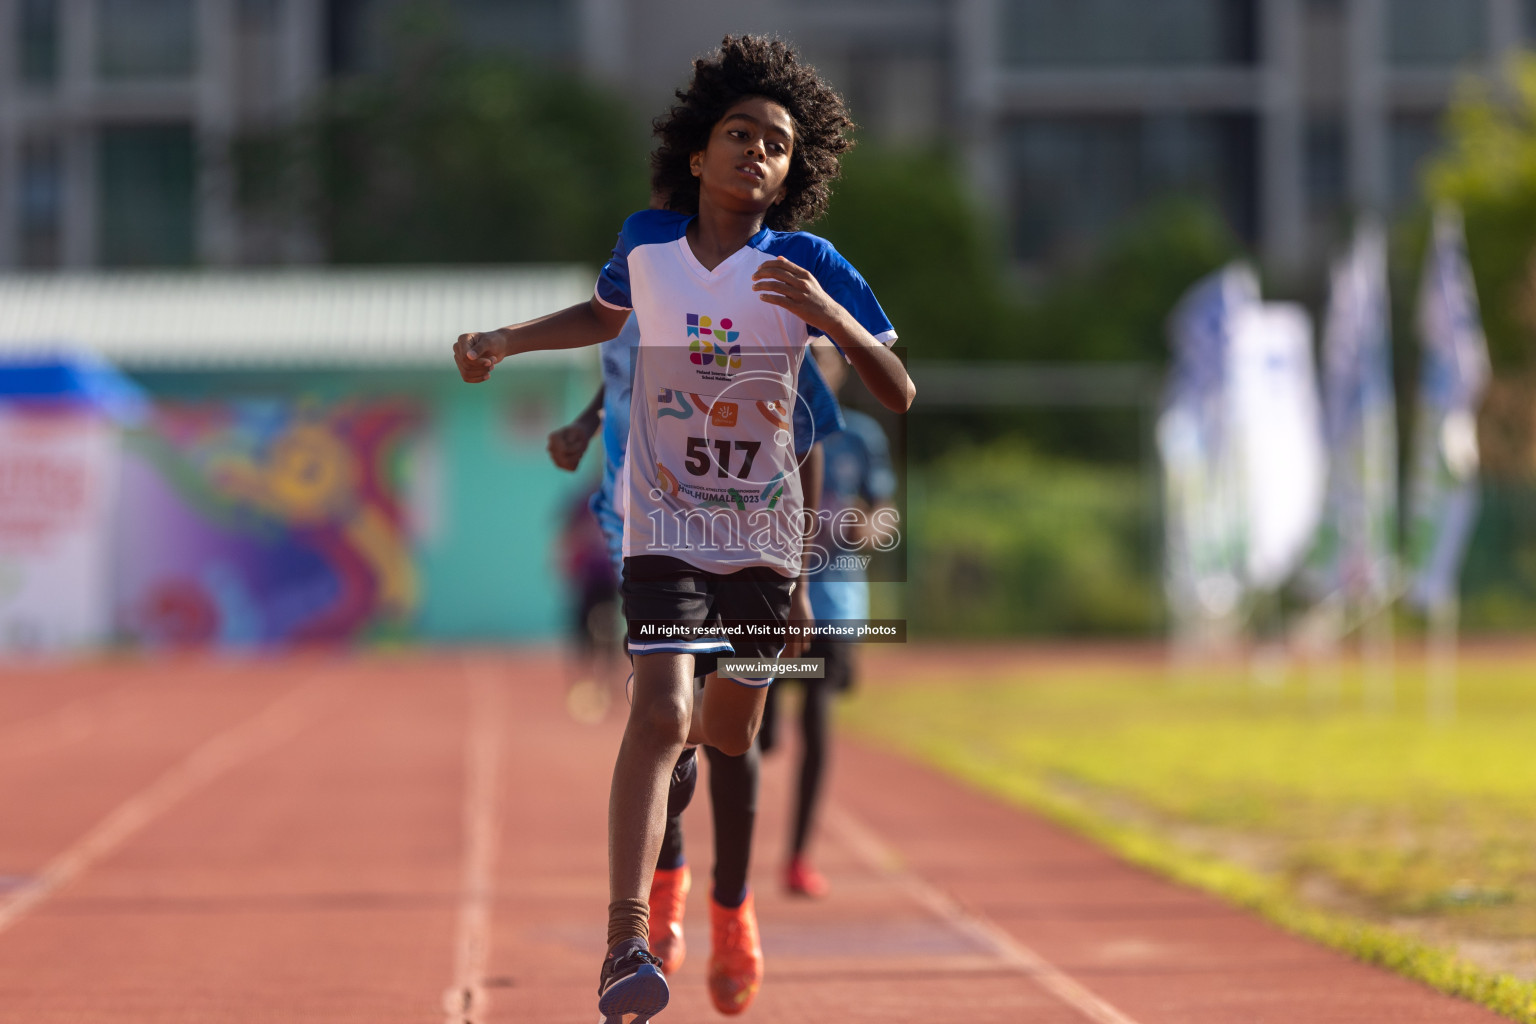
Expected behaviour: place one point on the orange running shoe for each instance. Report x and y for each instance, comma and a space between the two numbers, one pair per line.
669, 895
803, 880
736, 961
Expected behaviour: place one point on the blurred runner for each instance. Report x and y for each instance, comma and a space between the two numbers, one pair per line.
857, 475
594, 674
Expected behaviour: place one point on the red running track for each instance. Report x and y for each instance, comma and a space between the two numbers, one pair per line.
421, 839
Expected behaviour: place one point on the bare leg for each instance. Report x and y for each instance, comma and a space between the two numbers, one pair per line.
637, 802
728, 716
696, 722
731, 714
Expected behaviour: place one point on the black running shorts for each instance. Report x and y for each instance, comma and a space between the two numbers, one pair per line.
716, 611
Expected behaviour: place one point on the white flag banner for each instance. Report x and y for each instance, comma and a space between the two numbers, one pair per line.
1277, 427
57, 485
1356, 554
1454, 372
1205, 555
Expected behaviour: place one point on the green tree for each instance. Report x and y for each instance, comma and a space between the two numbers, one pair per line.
1115, 308
457, 157
943, 272
1489, 170
906, 220
944, 276
1007, 543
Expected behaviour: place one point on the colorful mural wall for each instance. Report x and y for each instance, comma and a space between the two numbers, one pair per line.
250, 523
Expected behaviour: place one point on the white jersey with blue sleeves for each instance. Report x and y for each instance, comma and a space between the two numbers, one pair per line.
710, 469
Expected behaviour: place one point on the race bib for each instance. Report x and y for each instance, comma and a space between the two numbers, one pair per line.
733, 449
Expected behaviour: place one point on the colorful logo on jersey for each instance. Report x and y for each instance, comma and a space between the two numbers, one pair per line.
710, 344
723, 414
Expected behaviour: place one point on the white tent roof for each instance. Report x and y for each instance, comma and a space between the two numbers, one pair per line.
384, 318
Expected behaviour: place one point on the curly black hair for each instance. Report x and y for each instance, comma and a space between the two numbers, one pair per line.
747, 66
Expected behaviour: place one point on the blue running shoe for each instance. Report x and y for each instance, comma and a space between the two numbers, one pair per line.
631, 984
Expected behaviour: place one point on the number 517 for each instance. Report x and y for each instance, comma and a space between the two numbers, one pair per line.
698, 460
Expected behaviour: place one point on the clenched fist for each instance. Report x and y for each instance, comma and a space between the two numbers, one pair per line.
477, 353
568, 444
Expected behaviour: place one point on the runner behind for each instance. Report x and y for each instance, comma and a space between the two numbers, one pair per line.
857, 480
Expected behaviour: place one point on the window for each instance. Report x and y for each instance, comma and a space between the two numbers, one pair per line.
38, 39
147, 176
546, 29
1137, 33
144, 38
345, 21
1437, 32
1414, 139
259, 15
1327, 175
1075, 179
40, 202
363, 35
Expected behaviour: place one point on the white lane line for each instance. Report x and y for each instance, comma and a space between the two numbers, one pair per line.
260, 733
875, 853
120, 706
466, 1001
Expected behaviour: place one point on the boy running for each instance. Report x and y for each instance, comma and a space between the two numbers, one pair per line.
736, 959
727, 294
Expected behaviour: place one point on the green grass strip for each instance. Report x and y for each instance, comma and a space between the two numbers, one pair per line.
1367, 942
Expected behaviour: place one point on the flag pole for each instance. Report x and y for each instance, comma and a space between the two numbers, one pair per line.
1378, 649
1440, 660
1444, 495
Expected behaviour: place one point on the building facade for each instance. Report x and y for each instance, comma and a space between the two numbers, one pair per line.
115, 114
1288, 113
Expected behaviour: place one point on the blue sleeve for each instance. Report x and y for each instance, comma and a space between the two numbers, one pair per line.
613, 280
852, 292
643, 228
817, 413
839, 279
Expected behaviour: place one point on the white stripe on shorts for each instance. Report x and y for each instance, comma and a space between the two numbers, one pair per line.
705, 646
